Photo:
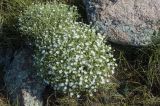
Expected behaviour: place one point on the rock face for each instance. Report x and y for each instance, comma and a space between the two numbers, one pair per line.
128, 22
5, 56
21, 82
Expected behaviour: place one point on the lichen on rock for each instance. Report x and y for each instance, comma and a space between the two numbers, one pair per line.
21, 82
127, 22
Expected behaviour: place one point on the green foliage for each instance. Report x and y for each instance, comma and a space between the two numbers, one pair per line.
9, 12
68, 55
40, 18
156, 38
10, 9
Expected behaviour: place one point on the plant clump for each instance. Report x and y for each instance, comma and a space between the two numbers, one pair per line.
40, 19
69, 55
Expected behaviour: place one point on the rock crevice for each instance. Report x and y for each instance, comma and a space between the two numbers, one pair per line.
20, 79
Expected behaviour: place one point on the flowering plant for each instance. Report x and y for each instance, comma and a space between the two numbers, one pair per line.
40, 18
68, 55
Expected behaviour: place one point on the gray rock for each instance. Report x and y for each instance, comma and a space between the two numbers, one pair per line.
21, 82
5, 56
127, 22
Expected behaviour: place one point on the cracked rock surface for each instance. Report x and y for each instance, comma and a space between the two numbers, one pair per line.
127, 22
21, 82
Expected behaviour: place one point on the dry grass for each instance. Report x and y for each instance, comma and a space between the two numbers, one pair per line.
138, 75
138, 84
4, 101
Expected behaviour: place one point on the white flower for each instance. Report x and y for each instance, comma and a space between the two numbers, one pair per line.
65, 88
57, 52
93, 81
100, 60
81, 68
85, 80
91, 72
90, 94
67, 80
86, 86
60, 71
109, 64
93, 53
107, 80
81, 78
71, 84
66, 73
43, 51
71, 94
80, 83
102, 81
99, 72
83, 62
85, 72
57, 63
74, 86
109, 48
78, 96
114, 59
61, 84
54, 68
50, 52
60, 26
110, 55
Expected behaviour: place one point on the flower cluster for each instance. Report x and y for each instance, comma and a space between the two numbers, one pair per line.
69, 55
